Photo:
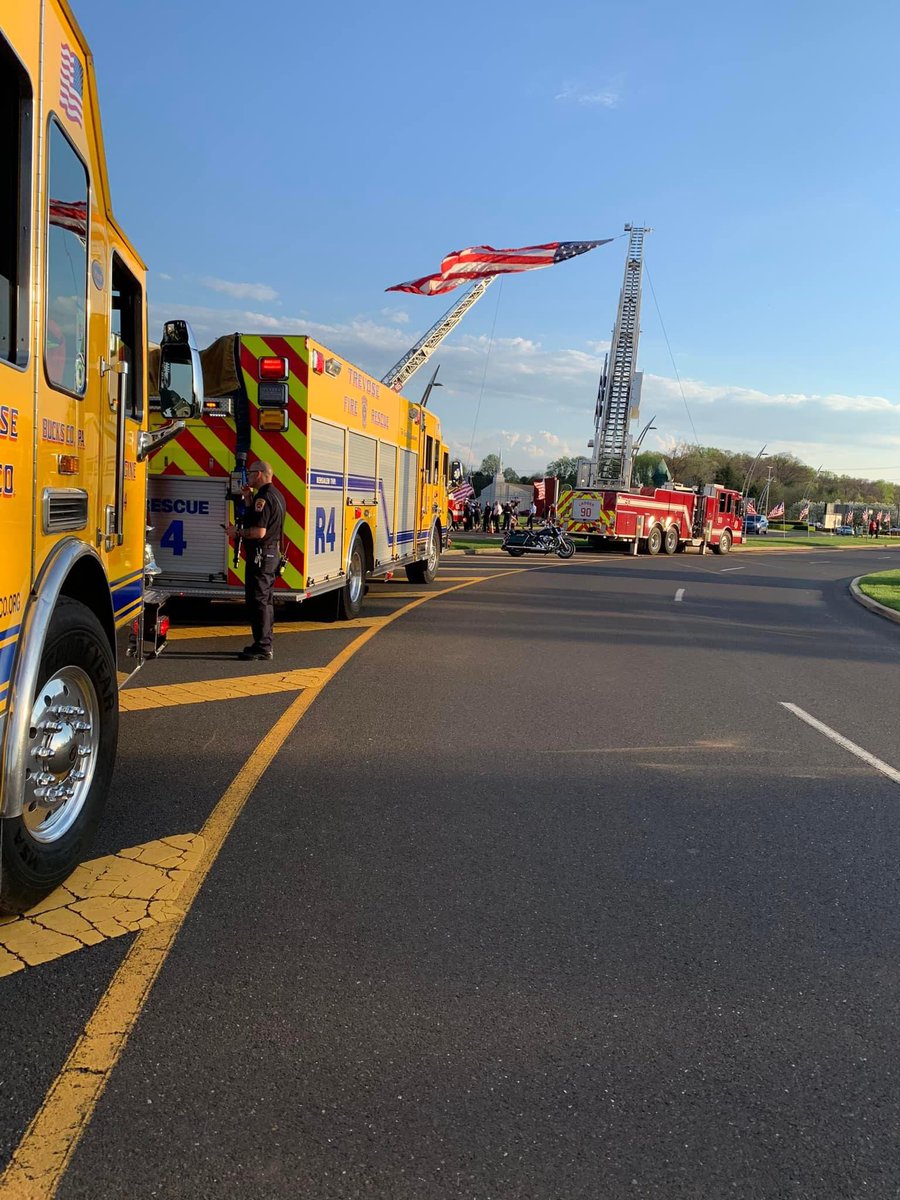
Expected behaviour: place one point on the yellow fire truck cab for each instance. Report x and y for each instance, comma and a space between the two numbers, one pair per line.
363, 471
73, 449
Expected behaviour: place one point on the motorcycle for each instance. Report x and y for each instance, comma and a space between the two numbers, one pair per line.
546, 540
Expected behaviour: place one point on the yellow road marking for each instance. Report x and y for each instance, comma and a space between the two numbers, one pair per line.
239, 687
41, 1157
187, 632
117, 894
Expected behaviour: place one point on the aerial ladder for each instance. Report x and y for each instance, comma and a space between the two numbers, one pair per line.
619, 391
402, 371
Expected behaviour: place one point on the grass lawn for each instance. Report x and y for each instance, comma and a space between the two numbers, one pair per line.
883, 587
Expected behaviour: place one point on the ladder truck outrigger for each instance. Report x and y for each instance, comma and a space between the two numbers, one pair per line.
603, 506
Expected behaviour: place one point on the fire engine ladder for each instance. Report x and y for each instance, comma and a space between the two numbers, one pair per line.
401, 371
620, 383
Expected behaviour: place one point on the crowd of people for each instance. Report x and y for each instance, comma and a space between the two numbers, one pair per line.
492, 518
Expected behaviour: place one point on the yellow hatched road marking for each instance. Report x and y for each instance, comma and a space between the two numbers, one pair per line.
240, 687
47, 1146
106, 898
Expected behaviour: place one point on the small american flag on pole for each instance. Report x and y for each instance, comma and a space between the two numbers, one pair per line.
465, 266
777, 511
804, 513
751, 509
71, 84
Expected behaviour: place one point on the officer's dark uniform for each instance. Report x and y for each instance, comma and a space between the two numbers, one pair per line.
265, 510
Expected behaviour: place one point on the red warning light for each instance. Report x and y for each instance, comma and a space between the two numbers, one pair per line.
273, 369
317, 362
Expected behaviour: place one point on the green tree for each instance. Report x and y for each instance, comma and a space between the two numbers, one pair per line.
565, 469
490, 465
510, 475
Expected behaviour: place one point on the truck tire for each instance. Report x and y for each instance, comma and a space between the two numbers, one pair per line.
75, 725
724, 543
654, 540
425, 571
350, 597
671, 540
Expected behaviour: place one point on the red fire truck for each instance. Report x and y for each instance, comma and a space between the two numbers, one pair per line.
653, 519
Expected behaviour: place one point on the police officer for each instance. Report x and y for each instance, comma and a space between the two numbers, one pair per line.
260, 531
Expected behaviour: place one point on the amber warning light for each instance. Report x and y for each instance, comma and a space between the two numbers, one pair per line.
273, 369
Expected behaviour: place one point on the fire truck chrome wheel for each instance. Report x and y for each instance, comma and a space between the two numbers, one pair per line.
654, 540
62, 753
426, 569
71, 752
350, 596
670, 541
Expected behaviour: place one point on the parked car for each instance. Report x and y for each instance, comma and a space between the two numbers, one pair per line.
756, 523
845, 530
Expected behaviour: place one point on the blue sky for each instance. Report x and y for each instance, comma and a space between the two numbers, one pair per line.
279, 171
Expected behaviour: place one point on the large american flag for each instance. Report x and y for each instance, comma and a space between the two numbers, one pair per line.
463, 492
777, 511
464, 266
71, 84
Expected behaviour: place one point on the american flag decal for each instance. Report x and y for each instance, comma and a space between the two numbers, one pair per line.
71, 84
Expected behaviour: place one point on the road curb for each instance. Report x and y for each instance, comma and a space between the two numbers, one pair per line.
872, 605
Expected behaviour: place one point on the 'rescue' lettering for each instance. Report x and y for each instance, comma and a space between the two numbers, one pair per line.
9, 422
164, 504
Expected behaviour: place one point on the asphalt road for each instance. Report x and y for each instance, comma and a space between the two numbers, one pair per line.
547, 895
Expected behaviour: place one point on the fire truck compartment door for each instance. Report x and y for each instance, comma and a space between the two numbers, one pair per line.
187, 516
407, 502
387, 494
326, 500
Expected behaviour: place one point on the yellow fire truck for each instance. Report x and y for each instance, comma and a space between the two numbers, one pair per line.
363, 471
73, 445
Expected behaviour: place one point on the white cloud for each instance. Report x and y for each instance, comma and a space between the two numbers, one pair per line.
240, 291
396, 315
576, 93
533, 403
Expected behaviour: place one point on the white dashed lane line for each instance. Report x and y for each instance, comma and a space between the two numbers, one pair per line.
839, 738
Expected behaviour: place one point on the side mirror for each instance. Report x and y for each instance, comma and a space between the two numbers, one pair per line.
180, 373
456, 472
